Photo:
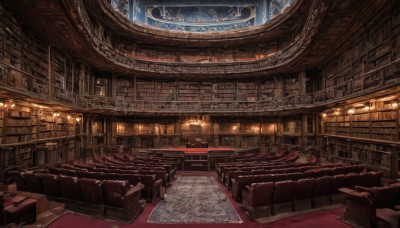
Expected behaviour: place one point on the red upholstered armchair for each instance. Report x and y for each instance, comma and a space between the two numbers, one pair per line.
18, 209
257, 199
123, 200
362, 203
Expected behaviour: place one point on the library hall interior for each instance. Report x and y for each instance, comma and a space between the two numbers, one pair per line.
199, 113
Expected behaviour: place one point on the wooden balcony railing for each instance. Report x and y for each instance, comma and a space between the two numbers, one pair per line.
16, 81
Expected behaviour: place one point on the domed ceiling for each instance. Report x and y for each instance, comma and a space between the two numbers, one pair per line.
201, 16
297, 36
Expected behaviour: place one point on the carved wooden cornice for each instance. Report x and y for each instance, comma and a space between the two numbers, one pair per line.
125, 27
271, 63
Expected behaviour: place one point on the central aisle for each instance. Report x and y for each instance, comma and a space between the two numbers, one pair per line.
195, 199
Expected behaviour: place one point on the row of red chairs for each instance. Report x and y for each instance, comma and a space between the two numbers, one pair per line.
227, 170
271, 198
233, 175
222, 170
241, 181
69, 170
152, 184
102, 198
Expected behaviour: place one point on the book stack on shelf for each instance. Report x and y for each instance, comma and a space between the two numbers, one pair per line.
71, 126
248, 91
379, 45
71, 147
189, 91
25, 157
101, 87
61, 125
268, 128
291, 86
291, 127
381, 155
226, 91
11, 41
166, 91
383, 121
343, 124
267, 90
34, 56
46, 126
58, 67
146, 91
18, 124
125, 89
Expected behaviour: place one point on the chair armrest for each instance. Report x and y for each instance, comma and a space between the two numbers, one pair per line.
397, 207
354, 193
131, 197
18, 199
247, 188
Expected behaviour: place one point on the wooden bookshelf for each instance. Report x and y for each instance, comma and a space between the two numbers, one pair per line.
267, 89
125, 89
101, 87
35, 55
248, 91
226, 91
58, 69
291, 86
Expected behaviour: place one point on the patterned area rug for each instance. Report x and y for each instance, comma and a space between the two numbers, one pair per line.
195, 199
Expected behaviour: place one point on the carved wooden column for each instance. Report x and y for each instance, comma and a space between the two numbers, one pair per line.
216, 134
50, 76
177, 134
302, 81
279, 87
304, 131
113, 86
81, 80
157, 138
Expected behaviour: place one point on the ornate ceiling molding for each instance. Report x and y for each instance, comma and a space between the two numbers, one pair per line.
144, 32
270, 63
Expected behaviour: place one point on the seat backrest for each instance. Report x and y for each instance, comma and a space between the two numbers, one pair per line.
283, 191
115, 192
364, 179
295, 176
322, 186
352, 179
92, 190
339, 181
280, 177
149, 181
385, 197
358, 168
19, 180
339, 170
50, 184
33, 183
96, 175
263, 192
114, 176
304, 189
376, 179
67, 172
81, 174
69, 187
310, 173
54, 170
133, 179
